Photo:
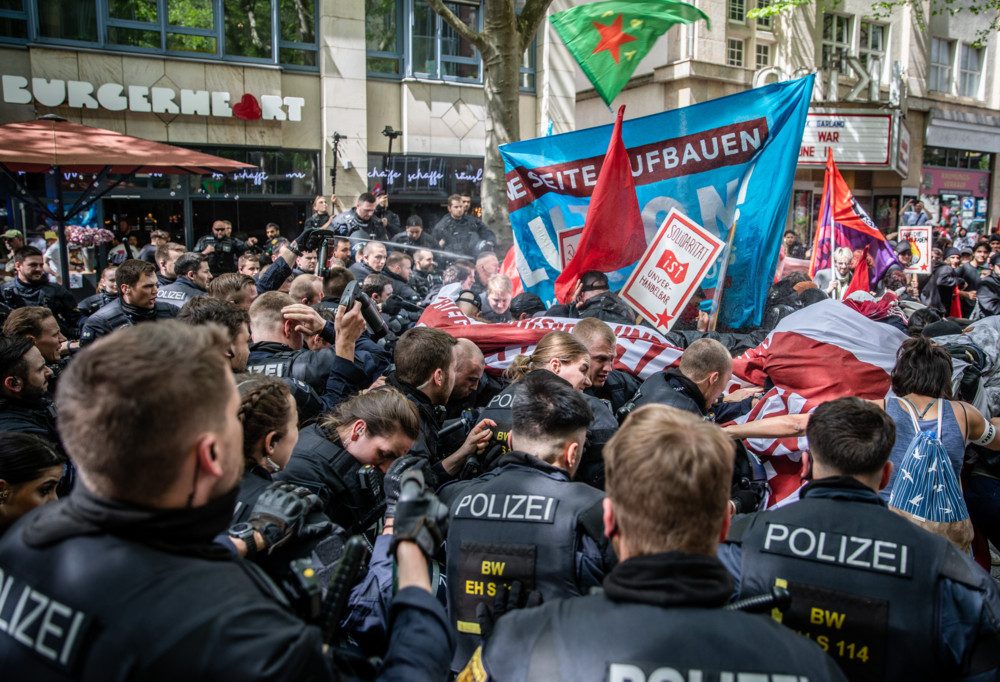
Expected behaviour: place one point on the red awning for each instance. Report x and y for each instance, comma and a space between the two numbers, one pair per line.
36, 146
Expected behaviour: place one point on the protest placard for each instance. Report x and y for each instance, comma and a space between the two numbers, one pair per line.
671, 270
919, 237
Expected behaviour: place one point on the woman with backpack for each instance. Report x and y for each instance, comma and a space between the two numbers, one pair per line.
920, 401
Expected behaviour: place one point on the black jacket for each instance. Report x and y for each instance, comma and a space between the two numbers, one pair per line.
940, 288
151, 597
223, 258
361, 270
348, 222
424, 242
428, 443
617, 390
179, 293
656, 612
606, 307
422, 282
988, 295
37, 417
120, 314
58, 299
92, 304
462, 235
401, 288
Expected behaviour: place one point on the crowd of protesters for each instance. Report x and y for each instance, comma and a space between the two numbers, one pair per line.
250, 461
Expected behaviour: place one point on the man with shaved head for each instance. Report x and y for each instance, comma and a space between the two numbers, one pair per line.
373, 258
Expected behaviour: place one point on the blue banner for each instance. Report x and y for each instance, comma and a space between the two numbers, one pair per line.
729, 160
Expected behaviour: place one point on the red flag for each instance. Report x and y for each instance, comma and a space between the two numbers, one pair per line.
509, 268
860, 280
613, 236
956, 304
844, 221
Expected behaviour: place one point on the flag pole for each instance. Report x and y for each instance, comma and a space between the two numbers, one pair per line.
720, 282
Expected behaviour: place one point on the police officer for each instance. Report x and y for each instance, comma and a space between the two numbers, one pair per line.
136, 283
607, 383
106, 292
660, 614
221, 248
526, 520
31, 288
425, 373
358, 219
344, 456
24, 383
593, 298
884, 598
459, 232
193, 276
398, 267
158, 485
278, 326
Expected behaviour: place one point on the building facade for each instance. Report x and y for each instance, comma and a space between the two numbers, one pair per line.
909, 103
302, 89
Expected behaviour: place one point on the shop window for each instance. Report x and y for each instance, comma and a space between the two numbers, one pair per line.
734, 52
13, 21
956, 158
837, 39
872, 43
939, 77
970, 71
74, 20
737, 10
763, 55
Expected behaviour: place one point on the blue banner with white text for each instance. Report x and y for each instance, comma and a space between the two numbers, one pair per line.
723, 161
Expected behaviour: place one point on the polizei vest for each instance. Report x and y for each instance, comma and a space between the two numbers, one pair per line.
513, 523
862, 582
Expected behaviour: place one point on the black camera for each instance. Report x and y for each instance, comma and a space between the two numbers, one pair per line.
376, 325
317, 239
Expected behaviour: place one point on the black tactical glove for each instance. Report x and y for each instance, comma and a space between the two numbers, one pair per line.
302, 240
280, 513
393, 479
420, 516
507, 599
392, 305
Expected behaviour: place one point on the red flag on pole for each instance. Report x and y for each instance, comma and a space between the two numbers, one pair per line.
860, 281
613, 236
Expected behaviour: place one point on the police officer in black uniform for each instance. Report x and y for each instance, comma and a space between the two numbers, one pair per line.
607, 383
221, 248
193, 276
24, 383
344, 456
884, 598
31, 288
106, 292
136, 282
151, 595
660, 614
526, 520
278, 325
593, 298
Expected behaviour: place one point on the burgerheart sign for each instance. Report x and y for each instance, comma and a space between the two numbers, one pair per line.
150, 99
671, 270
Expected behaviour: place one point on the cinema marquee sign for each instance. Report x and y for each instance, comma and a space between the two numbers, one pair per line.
144, 99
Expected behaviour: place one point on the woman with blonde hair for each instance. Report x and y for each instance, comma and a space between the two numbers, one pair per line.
564, 355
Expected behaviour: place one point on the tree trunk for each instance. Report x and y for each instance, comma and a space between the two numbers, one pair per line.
501, 87
502, 42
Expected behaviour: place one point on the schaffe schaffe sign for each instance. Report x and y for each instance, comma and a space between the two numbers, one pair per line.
144, 99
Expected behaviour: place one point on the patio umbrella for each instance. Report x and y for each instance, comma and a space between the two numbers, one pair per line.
52, 144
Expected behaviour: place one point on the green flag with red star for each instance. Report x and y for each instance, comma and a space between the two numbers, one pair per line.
610, 38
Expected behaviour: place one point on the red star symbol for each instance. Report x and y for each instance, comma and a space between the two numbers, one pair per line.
612, 37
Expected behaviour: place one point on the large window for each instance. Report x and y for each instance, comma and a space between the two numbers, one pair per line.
956, 158
970, 71
836, 38
734, 52
265, 31
872, 43
407, 39
939, 78
737, 10
763, 52
764, 22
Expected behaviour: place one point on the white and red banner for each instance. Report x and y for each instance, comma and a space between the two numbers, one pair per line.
671, 269
825, 351
641, 350
919, 238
